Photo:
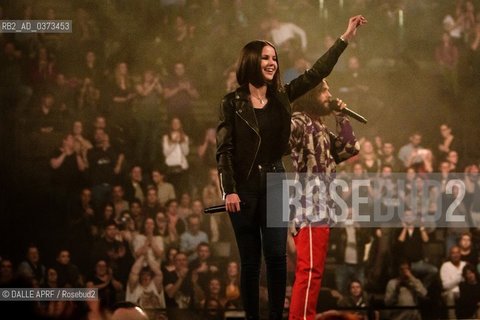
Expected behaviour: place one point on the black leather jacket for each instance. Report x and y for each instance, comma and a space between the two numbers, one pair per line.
238, 138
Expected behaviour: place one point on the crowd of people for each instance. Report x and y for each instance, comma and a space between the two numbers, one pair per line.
111, 128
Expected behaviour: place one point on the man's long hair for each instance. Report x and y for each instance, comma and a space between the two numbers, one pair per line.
309, 104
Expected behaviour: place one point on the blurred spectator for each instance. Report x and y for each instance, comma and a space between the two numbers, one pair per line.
369, 158
147, 114
446, 56
6, 272
232, 284
118, 200
43, 70
475, 53
88, 104
213, 308
129, 311
82, 231
422, 200
185, 206
168, 264
32, 267
468, 250
107, 215
151, 205
357, 298
207, 150
192, 237
409, 246
51, 278
115, 252
452, 158
451, 277
13, 85
215, 291
120, 95
350, 241
176, 149
179, 94
177, 285
136, 213
448, 143
405, 291
300, 65
165, 190
87, 31
63, 92
45, 118
66, 179
148, 242
176, 226
161, 222
68, 273
104, 166
203, 265
81, 145
468, 303
408, 153
135, 188
109, 288
145, 286
287, 36
127, 227
91, 69
211, 193
208, 223
388, 157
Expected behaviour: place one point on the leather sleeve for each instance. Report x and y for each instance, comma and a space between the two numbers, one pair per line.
225, 147
320, 70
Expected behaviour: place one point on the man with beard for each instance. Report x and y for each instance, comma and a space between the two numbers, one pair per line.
315, 151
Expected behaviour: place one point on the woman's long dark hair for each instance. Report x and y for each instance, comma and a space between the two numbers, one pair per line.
249, 65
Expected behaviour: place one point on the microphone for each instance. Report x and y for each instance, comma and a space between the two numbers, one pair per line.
220, 208
334, 106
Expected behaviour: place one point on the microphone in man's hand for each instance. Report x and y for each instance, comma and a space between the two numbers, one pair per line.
333, 104
220, 208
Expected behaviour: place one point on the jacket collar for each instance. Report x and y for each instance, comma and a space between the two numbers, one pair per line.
244, 108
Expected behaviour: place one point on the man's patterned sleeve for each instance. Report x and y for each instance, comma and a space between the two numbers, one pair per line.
344, 144
296, 134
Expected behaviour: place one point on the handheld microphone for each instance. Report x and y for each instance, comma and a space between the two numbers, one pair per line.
334, 106
219, 208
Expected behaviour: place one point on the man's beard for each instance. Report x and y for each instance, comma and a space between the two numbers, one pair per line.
322, 109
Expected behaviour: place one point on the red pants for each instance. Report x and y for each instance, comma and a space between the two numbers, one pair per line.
312, 244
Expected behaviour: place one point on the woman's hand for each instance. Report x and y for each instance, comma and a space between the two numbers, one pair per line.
353, 24
232, 202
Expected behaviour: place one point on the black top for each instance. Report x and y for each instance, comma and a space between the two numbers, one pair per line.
412, 248
270, 124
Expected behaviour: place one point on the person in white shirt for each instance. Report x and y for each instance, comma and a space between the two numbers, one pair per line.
451, 276
283, 33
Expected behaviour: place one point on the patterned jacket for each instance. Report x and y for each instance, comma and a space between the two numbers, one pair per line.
315, 151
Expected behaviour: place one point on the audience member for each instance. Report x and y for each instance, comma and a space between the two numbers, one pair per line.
468, 304
32, 268
405, 291
451, 277
165, 190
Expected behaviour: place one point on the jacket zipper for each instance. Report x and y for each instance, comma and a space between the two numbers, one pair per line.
224, 195
259, 142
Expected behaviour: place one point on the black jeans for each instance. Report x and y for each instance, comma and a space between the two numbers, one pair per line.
252, 237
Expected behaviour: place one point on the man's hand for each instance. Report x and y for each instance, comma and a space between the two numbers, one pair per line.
353, 24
